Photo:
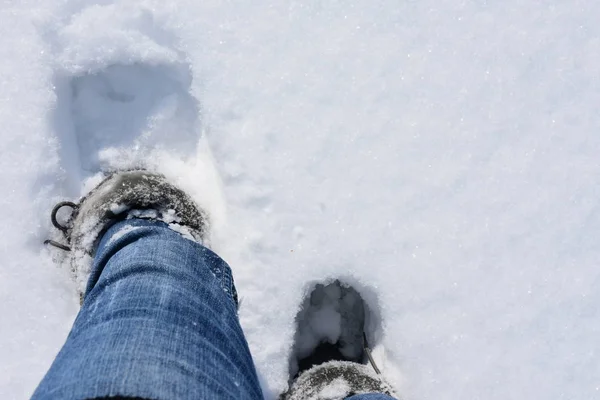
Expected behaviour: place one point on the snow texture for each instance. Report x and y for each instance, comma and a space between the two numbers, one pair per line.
169, 217
121, 232
440, 157
336, 390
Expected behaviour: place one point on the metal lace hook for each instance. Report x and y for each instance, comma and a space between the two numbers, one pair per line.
55, 210
58, 245
57, 225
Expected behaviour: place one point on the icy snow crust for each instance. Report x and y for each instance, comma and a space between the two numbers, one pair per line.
441, 157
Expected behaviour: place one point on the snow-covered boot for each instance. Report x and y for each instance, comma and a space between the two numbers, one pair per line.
335, 380
330, 352
121, 195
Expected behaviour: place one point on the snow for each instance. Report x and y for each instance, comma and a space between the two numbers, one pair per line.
122, 232
167, 216
117, 209
183, 231
324, 324
440, 157
338, 388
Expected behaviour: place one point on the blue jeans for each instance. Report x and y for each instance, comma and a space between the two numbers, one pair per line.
159, 321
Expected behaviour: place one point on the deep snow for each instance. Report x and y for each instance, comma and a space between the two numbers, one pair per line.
441, 157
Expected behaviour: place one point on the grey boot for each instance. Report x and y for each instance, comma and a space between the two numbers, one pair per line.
336, 380
122, 195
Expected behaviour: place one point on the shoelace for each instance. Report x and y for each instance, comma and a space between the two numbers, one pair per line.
369, 356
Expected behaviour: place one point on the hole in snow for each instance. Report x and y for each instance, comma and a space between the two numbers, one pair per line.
111, 118
331, 323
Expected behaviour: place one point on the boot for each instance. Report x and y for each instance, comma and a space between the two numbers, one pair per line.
121, 195
335, 380
330, 351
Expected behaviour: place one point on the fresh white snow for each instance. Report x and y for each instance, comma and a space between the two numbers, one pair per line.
441, 157
122, 232
338, 388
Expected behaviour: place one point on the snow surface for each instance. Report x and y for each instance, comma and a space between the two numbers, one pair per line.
122, 232
441, 157
337, 389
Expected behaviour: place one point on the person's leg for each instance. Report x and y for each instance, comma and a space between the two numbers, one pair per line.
159, 321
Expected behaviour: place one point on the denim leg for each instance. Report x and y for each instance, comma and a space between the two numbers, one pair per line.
370, 396
159, 321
